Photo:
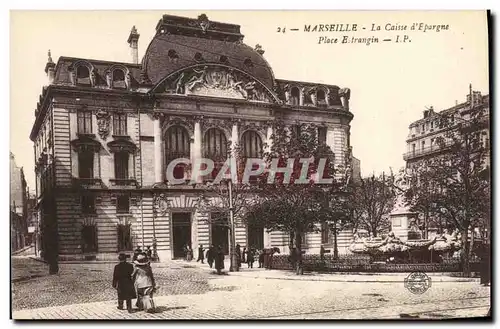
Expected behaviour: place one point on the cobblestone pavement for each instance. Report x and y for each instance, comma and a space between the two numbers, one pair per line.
32, 287
241, 297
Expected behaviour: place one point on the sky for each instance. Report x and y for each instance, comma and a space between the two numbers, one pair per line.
391, 83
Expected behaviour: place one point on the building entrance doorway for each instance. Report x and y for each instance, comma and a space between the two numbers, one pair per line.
256, 237
181, 232
220, 231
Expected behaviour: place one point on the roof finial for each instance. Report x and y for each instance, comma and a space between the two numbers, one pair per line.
50, 58
134, 30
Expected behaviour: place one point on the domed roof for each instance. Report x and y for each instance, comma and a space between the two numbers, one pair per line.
183, 42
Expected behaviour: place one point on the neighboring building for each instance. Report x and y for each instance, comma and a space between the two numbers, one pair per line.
18, 205
423, 134
105, 132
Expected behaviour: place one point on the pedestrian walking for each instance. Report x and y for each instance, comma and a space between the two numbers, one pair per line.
250, 257
189, 254
219, 260
149, 253
137, 251
261, 258
201, 256
144, 283
238, 255
211, 255
244, 255
123, 283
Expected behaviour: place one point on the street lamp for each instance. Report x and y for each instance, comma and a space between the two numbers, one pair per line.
234, 261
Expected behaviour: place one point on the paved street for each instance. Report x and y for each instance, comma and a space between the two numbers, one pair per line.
196, 293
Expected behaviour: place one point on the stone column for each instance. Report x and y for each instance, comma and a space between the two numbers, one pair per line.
196, 146
157, 148
301, 98
268, 137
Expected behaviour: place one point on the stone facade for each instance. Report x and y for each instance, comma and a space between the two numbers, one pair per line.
105, 132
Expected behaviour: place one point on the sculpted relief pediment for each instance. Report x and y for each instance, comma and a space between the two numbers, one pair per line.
217, 81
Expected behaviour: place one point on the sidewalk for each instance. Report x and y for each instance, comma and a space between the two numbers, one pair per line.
260, 273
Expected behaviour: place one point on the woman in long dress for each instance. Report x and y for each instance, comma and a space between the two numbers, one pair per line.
144, 283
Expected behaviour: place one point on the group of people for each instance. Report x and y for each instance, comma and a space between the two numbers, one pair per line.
135, 281
215, 256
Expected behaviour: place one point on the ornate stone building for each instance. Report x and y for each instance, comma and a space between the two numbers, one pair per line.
105, 132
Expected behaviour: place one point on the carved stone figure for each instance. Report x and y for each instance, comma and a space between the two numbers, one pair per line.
72, 76
287, 94
128, 79
93, 77
196, 79
103, 123
109, 81
327, 96
345, 95
259, 50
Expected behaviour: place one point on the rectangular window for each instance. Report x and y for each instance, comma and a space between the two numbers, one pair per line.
432, 124
121, 165
325, 233
88, 204
86, 164
322, 135
413, 148
124, 237
120, 124
84, 119
123, 204
89, 237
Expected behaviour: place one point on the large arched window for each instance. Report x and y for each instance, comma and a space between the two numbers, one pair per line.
251, 144
215, 147
295, 93
177, 145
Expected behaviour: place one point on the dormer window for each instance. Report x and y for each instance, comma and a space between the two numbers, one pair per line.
83, 75
119, 79
198, 57
248, 63
172, 54
224, 60
295, 93
321, 97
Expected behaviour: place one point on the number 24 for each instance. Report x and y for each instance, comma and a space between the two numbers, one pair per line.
281, 29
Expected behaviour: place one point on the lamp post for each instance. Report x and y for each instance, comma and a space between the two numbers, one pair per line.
234, 261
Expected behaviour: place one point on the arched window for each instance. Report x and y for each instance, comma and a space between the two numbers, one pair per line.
177, 145
321, 97
295, 93
119, 79
83, 75
215, 148
251, 144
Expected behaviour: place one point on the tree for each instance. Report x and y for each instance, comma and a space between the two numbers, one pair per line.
458, 178
290, 202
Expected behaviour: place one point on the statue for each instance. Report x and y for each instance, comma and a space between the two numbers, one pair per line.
345, 95
103, 122
286, 88
196, 79
109, 79
93, 77
128, 79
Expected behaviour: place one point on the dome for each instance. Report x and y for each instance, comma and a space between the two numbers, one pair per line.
182, 42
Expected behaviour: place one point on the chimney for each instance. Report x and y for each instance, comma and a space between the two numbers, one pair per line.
133, 41
50, 69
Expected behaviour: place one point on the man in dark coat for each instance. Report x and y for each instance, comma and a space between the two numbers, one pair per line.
122, 282
219, 260
250, 257
201, 256
261, 258
211, 255
238, 255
